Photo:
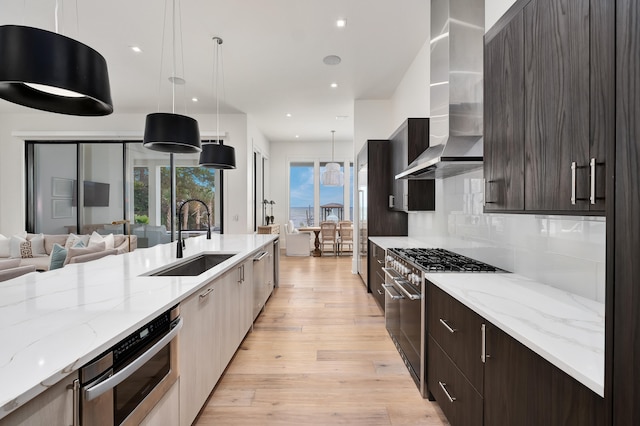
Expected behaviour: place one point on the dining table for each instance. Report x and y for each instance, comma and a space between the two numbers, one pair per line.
316, 230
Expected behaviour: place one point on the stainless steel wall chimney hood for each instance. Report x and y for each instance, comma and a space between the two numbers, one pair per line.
455, 136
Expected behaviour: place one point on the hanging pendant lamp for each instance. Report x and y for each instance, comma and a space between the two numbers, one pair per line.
171, 132
216, 155
332, 176
50, 72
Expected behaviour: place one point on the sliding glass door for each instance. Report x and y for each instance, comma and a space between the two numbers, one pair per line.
83, 187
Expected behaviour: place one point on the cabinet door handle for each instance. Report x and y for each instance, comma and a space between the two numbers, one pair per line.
447, 326
573, 182
443, 386
406, 202
380, 292
206, 293
484, 196
75, 416
592, 196
483, 354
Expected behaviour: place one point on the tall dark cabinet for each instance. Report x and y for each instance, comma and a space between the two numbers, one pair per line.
374, 187
623, 224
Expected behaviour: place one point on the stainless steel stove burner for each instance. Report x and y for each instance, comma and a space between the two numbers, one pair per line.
441, 260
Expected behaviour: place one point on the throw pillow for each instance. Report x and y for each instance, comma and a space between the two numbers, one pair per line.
79, 251
58, 256
37, 246
97, 238
20, 248
73, 239
4, 246
9, 263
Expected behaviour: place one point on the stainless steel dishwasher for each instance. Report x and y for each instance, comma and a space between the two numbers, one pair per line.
259, 282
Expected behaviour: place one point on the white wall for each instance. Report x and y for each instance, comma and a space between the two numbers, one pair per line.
114, 126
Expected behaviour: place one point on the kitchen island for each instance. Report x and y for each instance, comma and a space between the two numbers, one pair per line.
565, 329
55, 322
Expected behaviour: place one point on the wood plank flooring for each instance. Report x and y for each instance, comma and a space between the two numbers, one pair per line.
319, 354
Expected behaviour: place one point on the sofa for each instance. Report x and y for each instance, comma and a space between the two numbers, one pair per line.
10, 268
42, 261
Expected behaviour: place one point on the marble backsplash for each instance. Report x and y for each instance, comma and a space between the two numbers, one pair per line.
567, 252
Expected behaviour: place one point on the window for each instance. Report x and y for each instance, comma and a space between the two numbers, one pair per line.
310, 202
191, 182
301, 194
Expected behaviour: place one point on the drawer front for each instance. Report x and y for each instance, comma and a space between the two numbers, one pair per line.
457, 329
458, 399
378, 255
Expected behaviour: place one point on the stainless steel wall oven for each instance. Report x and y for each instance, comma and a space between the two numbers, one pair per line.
122, 385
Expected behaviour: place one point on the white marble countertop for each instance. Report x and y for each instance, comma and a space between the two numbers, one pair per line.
53, 323
565, 329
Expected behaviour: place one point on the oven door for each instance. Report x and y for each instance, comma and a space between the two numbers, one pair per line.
411, 326
126, 395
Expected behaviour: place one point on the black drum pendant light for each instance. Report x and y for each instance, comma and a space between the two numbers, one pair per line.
171, 132
217, 155
50, 72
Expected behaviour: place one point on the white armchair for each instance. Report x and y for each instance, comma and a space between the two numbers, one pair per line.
298, 243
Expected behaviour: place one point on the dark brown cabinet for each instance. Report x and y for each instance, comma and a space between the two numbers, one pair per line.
376, 275
408, 142
457, 329
454, 368
521, 388
479, 375
549, 107
623, 226
504, 118
374, 187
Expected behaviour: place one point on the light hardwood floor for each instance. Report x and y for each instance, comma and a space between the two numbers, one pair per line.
319, 354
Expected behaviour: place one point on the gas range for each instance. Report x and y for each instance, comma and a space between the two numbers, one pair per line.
435, 260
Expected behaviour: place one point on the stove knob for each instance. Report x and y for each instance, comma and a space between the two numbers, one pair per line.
389, 258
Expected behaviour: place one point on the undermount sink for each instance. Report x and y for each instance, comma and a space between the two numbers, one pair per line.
195, 266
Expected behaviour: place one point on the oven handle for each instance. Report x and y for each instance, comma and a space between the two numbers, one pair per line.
113, 381
388, 288
391, 273
410, 295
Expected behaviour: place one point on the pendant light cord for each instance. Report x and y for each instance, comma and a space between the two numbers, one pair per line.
333, 132
164, 27
216, 75
173, 58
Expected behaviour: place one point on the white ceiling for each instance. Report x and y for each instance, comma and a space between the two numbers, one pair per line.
272, 55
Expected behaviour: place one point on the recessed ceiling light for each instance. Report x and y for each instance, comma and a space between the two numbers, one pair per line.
194, 99
297, 136
341, 117
341, 23
332, 60
288, 115
136, 49
334, 85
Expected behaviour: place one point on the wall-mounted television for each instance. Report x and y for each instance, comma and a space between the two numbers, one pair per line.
96, 194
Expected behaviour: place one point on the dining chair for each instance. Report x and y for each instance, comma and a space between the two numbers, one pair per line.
328, 235
346, 236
